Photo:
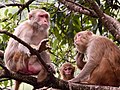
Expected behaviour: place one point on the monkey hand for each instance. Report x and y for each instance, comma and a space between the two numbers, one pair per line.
34, 46
51, 68
81, 56
43, 45
74, 80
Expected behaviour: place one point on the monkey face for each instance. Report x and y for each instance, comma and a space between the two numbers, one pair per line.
81, 40
68, 70
40, 19
43, 19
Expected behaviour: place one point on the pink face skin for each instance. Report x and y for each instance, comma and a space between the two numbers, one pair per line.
43, 19
40, 19
77, 39
68, 70
82, 37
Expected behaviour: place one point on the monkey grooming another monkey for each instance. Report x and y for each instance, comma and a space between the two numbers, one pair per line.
103, 64
33, 31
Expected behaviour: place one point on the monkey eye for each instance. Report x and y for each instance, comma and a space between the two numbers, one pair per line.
41, 15
67, 69
79, 34
46, 16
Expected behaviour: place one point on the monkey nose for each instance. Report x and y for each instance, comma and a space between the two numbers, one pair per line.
45, 20
75, 41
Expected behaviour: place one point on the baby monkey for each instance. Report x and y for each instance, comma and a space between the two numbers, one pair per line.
67, 71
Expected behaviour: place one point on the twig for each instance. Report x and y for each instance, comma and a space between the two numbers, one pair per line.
15, 4
26, 5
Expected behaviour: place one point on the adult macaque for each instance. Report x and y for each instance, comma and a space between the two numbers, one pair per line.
103, 64
32, 31
67, 71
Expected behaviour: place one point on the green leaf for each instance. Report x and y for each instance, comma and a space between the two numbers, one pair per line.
6, 12
5, 83
10, 14
14, 16
6, 0
22, 1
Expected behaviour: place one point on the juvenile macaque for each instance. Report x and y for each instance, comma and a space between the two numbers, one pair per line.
33, 31
103, 64
67, 71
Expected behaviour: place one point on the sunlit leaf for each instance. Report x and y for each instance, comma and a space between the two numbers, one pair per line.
6, 12
22, 1
5, 83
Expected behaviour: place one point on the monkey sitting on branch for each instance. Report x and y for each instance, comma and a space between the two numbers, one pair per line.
33, 31
103, 64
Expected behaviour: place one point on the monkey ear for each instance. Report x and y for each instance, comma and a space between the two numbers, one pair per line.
90, 33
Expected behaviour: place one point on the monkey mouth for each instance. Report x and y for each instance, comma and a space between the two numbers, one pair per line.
46, 25
76, 43
42, 27
68, 73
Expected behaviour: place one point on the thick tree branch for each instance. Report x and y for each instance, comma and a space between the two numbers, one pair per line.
78, 8
15, 4
51, 81
112, 25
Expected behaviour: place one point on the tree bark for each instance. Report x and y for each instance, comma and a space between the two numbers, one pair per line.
111, 24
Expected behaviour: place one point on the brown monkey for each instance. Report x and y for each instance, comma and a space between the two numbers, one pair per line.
67, 71
103, 64
33, 31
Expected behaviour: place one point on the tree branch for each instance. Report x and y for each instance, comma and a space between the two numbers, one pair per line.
78, 8
15, 4
52, 81
25, 5
112, 25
